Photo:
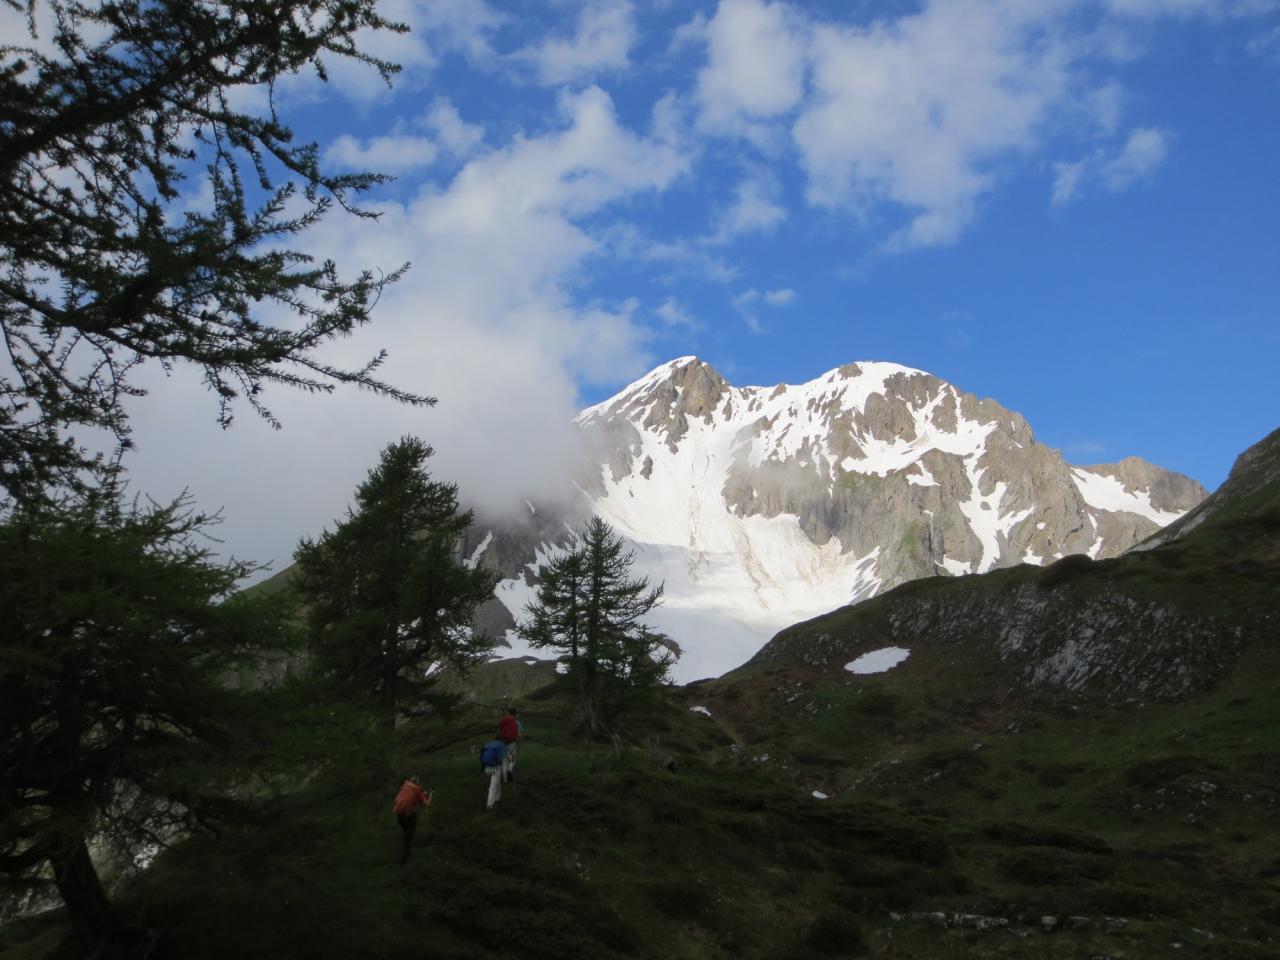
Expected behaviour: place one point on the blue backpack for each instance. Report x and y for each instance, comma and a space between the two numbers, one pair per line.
492, 754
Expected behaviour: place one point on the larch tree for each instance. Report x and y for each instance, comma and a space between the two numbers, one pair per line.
590, 610
116, 628
111, 112
389, 600
118, 633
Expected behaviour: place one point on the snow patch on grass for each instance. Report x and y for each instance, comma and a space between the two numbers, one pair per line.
878, 661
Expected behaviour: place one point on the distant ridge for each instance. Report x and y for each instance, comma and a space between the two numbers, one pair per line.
762, 506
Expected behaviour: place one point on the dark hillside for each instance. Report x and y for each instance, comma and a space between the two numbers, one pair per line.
987, 832
1242, 495
1081, 761
1157, 623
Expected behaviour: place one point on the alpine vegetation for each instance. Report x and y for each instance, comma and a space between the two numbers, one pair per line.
117, 636
112, 111
388, 602
851, 667
123, 730
591, 612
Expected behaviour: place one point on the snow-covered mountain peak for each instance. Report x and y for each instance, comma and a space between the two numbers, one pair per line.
761, 506
870, 417
646, 390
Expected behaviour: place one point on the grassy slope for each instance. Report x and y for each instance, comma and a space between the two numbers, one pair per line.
595, 853
1057, 802
956, 790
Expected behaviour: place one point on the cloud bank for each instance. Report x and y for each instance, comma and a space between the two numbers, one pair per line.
895, 127
485, 321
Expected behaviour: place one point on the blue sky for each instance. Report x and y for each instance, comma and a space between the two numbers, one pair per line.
1068, 205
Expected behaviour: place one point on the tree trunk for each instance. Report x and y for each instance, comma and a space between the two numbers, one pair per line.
590, 719
591, 697
389, 672
87, 904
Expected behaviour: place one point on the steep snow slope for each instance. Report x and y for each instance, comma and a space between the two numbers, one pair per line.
762, 506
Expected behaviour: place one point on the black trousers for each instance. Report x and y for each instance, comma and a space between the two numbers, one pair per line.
408, 824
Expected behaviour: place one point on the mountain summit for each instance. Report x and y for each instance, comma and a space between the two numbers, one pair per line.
762, 506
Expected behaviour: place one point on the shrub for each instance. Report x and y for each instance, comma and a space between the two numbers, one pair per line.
1163, 772
1027, 835
1064, 570
835, 935
681, 897
1050, 867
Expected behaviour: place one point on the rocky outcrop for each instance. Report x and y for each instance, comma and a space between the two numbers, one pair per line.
760, 506
1254, 473
1157, 624
877, 455
1078, 636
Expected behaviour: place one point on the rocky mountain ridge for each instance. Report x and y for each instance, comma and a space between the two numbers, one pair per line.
761, 506
1159, 623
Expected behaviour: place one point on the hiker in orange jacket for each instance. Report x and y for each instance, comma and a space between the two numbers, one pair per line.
509, 730
410, 797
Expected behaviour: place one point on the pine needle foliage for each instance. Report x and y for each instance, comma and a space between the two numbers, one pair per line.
389, 601
118, 636
111, 112
592, 612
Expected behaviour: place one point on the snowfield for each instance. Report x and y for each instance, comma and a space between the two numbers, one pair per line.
733, 579
878, 661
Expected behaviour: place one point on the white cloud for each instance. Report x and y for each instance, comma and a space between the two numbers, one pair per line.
680, 257
459, 138
360, 83
753, 210
920, 115
746, 304
400, 152
689, 34
437, 27
16, 24
602, 42
462, 26
1105, 105
1266, 44
1190, 8
917, 110
675, 314
393, 154
755, 64
1145, 150
486, 320
1066, 182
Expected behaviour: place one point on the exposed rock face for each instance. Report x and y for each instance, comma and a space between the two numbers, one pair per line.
1101, 642
1160, 623
761, 506
1254, 471
879, 456
514, 548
